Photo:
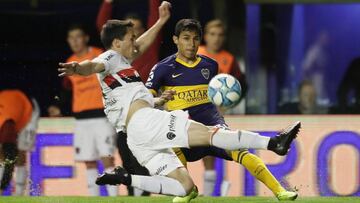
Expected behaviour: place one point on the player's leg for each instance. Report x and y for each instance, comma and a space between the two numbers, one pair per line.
169, 177
105, 145
195, 154
91, 174
21, 173
259, 170
201, 135
86, 152
25, 143
130, 163
8, 152
209, 175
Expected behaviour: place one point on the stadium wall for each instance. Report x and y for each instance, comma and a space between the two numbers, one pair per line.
324, 160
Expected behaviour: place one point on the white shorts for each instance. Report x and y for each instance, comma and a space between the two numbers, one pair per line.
93, 138
26, 140
153, 133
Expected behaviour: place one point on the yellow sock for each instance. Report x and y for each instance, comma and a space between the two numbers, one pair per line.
258, 169
180, 155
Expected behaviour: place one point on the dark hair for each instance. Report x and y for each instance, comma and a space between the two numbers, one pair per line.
305, 83
114, 29
78, 26
214, 23
187, 25
133, 16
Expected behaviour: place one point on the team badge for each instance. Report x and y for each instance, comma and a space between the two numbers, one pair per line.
205, 73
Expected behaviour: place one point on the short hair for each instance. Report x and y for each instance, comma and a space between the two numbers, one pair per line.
78, 26
134, 16
214, 23
306, 83
187, 25
114, 29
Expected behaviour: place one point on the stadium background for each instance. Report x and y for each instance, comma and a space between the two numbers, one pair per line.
269, 39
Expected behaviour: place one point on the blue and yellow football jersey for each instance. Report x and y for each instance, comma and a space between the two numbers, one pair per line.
190, 81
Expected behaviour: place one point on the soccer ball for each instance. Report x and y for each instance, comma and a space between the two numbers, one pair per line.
224, 91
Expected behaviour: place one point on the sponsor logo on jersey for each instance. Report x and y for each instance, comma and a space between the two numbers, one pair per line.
160, 169
170, 135
172, 123
110, 102
205, 73
193, 95
109, 57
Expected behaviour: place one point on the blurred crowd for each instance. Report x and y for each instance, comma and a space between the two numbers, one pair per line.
311, 91
301, 87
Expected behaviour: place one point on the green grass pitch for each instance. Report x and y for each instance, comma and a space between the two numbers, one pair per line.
168, 200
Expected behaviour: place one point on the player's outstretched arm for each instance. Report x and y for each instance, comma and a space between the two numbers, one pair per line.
146, 39
84, 68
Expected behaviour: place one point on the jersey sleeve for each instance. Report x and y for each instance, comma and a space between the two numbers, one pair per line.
155, 79
215, 68
109, 60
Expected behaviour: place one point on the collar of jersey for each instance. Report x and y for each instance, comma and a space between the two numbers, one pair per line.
192, 65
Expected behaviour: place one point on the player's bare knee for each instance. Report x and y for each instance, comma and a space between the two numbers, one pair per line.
199, 134
108, 161
90, 164
182, 175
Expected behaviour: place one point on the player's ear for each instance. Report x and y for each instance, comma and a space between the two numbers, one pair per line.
116, 43
175, 39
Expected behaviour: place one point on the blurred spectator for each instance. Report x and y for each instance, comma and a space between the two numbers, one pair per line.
145, 62
94, 135
350, 83
214, 38
307, 102
315, 64
19, 117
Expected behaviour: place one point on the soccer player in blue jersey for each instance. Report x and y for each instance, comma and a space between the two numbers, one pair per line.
189, 74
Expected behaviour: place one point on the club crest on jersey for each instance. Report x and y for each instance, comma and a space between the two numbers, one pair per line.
205, 73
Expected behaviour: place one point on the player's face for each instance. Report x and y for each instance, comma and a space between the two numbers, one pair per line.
187, 44
307, 97
77, 40
214, 38
127, 45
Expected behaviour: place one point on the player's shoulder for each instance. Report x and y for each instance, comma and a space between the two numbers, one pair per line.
71, 58
166, 63
108, 55
207, 60
226, 54
96, 50
16, 94
112, 57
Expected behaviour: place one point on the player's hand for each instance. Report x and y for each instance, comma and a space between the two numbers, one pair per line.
164, 12
167, 95
68, 69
